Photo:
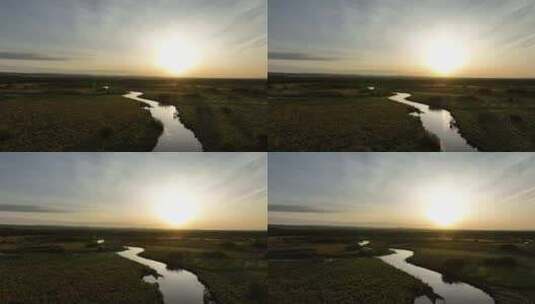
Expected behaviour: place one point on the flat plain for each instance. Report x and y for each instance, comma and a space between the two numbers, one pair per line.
70, 265
353, 113
314, 264
89, 113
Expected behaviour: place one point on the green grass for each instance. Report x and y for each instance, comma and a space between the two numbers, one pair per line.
230, 263
502, 263
236, 275
75, 123
341, 281
341, 115
346, 124
499, 121
507, 283
323, 266
225, 116
73, 113
74, 278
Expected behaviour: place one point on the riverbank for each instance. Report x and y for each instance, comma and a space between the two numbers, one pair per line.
230, 263
507, 284
225, 115
438, 122
232, 275
176, 137
315, 265
491, 119
88, 113
458, 293
321, 112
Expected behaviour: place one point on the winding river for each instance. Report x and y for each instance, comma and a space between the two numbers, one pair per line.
176, 286
438, 122
452, 293
175, 137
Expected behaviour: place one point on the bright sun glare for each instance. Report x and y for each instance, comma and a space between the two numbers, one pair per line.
445, 56
176, 56
175, 208
445, 208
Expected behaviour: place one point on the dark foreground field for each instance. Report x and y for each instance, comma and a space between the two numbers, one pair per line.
326, 265
339, 113
60, 265
76, 113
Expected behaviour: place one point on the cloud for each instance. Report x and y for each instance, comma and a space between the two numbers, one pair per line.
28, 209
298, 56
297, 209
29, 56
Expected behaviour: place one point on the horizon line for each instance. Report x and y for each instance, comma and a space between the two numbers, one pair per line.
399, 76
131, 76
403, 228
127, 227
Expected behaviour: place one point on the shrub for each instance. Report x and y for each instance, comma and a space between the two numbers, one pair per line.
260, 243
214, 254
500, 262
454, 265
4, 134
105, 132
257, 292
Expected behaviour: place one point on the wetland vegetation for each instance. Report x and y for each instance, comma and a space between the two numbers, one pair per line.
501, 263
89, 113
352, 113
70, 265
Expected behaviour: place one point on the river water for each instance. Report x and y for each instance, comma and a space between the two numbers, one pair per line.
452, 293
175, 137
438, 122
176, 286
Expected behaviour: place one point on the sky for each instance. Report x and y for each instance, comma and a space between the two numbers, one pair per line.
476, 38
403, 190
205, 38
145, 190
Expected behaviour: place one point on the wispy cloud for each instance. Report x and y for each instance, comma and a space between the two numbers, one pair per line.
298, 56
297, 209
29, 209
30, 56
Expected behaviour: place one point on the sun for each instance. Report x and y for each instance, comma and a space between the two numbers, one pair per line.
446, 208
445, 56
176, 56
175, 208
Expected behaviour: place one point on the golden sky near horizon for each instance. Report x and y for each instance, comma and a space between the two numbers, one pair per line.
145, 190
480, 38
220, 39
406, 190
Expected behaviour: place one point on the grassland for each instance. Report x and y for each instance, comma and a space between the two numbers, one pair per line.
505, 268
492, 115
502, 263
78, 270
71, 114
76, 113
326, 266
339, 114
231, 265
66, 268
225, 115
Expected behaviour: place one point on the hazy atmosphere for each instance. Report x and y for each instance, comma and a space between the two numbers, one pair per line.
135, 37
459, 190
480, 38
186, 190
